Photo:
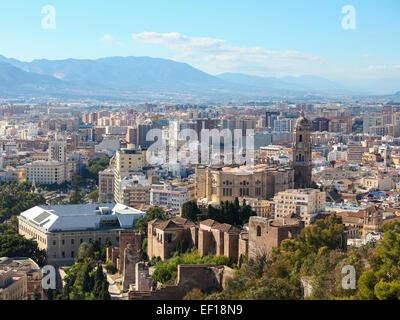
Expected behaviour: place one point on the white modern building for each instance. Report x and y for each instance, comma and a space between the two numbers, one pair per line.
60, 230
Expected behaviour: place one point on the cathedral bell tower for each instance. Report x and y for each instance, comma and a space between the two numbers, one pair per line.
302, 153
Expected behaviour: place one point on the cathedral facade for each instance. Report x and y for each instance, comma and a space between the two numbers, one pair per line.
302, 153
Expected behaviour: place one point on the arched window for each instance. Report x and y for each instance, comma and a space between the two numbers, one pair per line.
301, 138
258, 231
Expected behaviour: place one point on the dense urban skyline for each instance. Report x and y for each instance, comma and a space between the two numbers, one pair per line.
199, 150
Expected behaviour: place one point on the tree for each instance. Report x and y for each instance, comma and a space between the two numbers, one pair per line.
324, 233
145, 245
151, 214
36, 294
49, 294
316, 254
272, 289
76, 197
15, 245
16, 198
111, 267
366, 284
195, 294
231, 212
99, 278
85, 251
382, 280
88, 280
387, 290
190, 210
104, 294
94, 167
94, 196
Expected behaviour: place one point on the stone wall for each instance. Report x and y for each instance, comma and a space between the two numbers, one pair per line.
131, 257
243, 243
264, 234
144, 281
129, 237
208, 278
231, 246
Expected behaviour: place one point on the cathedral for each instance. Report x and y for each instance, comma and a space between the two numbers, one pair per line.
302, 151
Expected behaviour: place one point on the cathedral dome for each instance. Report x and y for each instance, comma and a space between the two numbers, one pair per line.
302, 121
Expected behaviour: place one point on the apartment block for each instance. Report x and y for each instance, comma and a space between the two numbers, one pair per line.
302, 203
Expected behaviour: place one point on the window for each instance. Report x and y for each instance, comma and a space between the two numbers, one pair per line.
258, 231
301, 138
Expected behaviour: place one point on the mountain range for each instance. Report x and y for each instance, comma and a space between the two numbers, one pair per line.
128, 77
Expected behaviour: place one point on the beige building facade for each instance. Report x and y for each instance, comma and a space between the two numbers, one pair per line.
216, 184
60, 230
46, 172
304, 203
20, 278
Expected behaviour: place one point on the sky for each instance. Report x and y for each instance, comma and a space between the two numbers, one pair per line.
258, 37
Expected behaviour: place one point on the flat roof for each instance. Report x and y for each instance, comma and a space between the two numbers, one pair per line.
80, 217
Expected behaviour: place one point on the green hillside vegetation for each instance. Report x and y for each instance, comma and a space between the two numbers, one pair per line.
16, 198
166, 271
317, 255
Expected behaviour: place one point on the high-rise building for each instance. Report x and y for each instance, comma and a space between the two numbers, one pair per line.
58, 151
127, 162
131, 135
302, 153
284, 125
354, 152
320, 124
142, 131
270, 117
106, 185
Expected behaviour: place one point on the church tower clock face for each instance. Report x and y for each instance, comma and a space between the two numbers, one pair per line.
302, 153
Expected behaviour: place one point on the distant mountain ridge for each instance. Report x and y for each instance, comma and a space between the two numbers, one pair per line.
16, 80
128, 77
306, 83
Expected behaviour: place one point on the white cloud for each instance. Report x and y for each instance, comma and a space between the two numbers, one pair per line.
216, 55
106, 37
377, 68
365, 56
382, 71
